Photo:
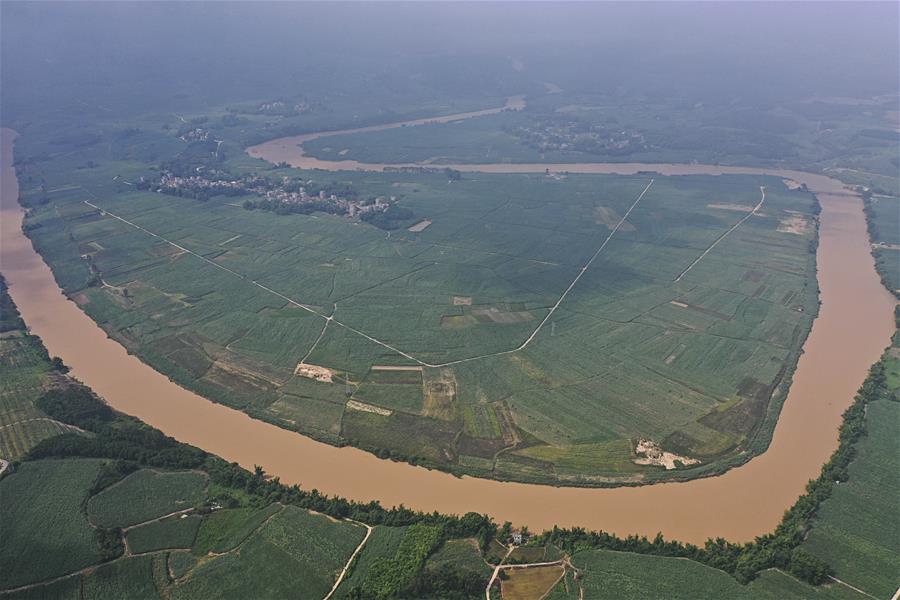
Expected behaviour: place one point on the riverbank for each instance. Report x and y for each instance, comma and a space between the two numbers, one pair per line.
854, 326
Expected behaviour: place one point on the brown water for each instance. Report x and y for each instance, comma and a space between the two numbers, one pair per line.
854, 326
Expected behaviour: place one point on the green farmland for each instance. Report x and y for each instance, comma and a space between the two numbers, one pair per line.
883, 216
26, 372
234, 540
441, 348
107, 526
571, 126
623, 576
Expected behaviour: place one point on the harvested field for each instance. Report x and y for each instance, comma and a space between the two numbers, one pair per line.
737, 207
420, 226
530, 583
361, 406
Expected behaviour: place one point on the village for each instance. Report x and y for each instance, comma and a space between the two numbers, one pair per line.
560, 134
284, 195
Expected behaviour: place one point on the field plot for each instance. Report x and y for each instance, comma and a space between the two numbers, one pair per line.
146, 495
26, 373
623, 576
537, 329
224, 530
174, 532
858, 529
311, 548
530, 584
42, 504
883, 215
382, 546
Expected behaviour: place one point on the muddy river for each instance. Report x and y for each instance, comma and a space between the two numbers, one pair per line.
854, 326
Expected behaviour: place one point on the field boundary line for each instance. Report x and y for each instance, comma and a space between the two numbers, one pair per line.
54, 421
330, 318
856, 589
487, 590
586, 266
562, 562
356, 552
762, 190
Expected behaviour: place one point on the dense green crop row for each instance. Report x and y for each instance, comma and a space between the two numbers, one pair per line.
41, 505
146, 495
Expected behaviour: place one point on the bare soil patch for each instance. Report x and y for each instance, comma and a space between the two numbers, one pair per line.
439, 389
315, 372
794, 223
737, 207
420, 226
363, 407
654, 455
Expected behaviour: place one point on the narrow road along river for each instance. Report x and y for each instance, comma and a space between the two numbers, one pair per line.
854, 326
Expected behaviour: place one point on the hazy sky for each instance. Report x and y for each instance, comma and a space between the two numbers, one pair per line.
721, 49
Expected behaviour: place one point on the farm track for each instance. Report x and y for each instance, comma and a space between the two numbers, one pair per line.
65, 426
91, 568
350, 560
562, 562
756, 208
859, 591
128, 553
331, 319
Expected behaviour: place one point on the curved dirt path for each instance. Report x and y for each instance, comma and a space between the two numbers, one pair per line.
356, 552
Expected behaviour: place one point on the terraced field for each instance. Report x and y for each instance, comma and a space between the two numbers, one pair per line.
545, 324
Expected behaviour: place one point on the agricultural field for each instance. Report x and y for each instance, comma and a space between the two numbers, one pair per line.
44, 500
857, 530
883, 215
531, 583
263, 548
42, 505
438, 345
572, 126
226, 529
26, 373
146, 495
175, 532
293, 546
463, 554
623, 576
382, 546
